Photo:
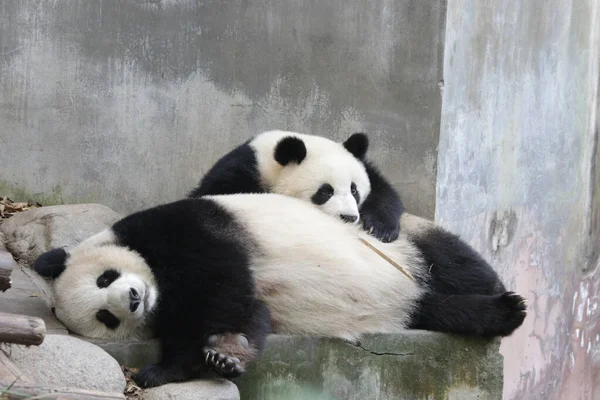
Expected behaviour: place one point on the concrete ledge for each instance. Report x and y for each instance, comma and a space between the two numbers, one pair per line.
415, 364
412, 365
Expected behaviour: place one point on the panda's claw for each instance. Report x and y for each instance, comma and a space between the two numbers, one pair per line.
380, 229
228, 367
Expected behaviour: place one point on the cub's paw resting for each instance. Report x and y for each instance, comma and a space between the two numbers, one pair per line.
380, 229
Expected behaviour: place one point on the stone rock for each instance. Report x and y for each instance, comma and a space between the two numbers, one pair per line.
30, 233
63, 360
214, 389
2, 240
131, 352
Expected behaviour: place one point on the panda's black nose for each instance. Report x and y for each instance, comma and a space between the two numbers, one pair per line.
133, 294
349, 218
134, 300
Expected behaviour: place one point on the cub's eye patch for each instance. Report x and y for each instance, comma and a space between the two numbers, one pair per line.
322, 194
354, 192
108, 319
108, 277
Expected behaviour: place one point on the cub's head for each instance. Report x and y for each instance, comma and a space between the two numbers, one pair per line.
101, 291
328, 174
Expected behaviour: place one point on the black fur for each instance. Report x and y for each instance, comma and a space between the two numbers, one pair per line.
381, 211
237, 172
322, 195
51, 264
204, 281
454, 267
357, 144
470, 314
108, 319
290, 149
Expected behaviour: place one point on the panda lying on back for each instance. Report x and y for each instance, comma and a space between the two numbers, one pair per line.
211, 276
336, 177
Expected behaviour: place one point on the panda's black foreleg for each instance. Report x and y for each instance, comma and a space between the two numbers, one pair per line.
476, 315
180, 361
381, 211
229, 353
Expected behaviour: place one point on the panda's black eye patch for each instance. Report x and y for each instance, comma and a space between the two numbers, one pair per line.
323, 194
108, 277
355, 193
108, 319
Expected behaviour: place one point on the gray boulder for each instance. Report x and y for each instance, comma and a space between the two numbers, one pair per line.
214, 389
30, 233
63, 360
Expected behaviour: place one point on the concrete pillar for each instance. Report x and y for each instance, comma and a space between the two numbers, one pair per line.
519, 177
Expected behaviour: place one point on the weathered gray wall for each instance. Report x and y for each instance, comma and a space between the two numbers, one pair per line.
518, 176
129, 102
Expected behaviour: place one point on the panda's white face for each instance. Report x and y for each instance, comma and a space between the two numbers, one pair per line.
314, 169
105, 292
337, 184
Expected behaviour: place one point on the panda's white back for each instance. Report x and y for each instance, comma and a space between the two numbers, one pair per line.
311, 261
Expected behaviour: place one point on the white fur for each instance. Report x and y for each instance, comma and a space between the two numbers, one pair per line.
315, 274
326, 162
78, 298
311, 269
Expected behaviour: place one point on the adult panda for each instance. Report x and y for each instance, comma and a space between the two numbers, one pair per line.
210, 276
336, 177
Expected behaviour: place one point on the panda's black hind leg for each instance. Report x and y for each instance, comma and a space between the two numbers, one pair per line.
229, 353
454, 267
476, 315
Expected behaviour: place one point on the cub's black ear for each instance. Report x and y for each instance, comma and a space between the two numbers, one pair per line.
51, 264
357, 144
290, 149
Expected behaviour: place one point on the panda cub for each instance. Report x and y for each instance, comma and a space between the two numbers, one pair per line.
211, 276
336, 177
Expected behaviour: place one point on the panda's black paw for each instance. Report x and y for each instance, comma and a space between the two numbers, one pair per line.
228, 367
150, 376
508, 313
382, 230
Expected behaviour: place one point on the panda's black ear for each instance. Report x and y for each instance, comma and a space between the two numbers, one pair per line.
51, 263
290, 149
357, 144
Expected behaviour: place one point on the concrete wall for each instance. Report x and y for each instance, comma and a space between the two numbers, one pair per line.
128, 103
519, 175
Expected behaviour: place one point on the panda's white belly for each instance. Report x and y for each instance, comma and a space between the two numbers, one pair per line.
315, 274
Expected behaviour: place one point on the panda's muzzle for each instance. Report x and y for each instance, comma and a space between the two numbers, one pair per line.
134, 300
